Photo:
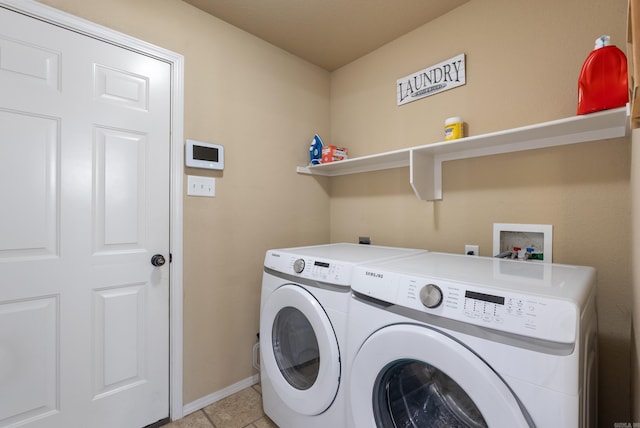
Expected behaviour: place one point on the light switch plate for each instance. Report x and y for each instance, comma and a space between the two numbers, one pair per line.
201, 186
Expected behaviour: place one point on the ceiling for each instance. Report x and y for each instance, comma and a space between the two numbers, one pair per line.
328, 33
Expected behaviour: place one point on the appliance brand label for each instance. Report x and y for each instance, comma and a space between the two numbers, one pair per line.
374, 274
446, 75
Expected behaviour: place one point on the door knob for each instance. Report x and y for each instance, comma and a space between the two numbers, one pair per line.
158, 260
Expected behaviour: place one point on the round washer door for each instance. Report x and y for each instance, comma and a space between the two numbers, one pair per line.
299, 350
410, 375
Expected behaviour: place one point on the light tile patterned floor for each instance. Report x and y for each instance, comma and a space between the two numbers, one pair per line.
240, 410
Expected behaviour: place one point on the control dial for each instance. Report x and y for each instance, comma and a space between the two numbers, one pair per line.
298, 266
431, 296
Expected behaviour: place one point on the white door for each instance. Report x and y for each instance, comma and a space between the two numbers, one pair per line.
84, 205
300, 353
409, 375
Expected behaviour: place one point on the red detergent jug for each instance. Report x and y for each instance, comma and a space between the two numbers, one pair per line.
603, 79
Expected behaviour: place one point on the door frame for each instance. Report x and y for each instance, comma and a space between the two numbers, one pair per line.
176, 61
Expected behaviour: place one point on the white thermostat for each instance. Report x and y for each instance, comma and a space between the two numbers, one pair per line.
204, 155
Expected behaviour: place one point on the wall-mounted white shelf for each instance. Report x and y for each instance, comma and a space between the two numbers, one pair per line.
425, 162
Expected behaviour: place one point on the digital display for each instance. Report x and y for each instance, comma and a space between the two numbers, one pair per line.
209, 154
199, 154
484, 297
321, 264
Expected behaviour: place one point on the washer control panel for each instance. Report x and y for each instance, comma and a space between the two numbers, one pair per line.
523, 314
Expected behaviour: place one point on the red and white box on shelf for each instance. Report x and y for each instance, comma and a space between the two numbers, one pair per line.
334, 153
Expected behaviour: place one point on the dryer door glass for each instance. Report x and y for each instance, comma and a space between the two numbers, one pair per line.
411, 393
295, 347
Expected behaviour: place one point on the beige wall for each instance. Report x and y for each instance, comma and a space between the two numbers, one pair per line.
523, 61
264, 106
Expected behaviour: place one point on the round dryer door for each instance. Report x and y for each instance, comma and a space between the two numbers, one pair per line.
413, 376
302, 359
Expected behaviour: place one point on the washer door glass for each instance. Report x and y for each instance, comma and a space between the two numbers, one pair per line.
295, 347
411, 393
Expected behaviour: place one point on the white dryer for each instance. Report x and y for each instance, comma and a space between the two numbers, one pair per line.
441, 340
303, 314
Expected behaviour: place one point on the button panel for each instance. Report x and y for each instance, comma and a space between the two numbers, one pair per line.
499, 309
320, 270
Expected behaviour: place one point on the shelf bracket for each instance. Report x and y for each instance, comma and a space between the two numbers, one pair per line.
425, 175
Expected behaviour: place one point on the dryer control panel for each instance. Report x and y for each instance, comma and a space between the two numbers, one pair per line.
523, 314
320, 270
323, 270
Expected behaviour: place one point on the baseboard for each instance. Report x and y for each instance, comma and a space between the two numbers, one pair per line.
200, 403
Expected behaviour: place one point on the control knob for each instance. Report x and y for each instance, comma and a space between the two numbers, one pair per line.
298, 266
431, 296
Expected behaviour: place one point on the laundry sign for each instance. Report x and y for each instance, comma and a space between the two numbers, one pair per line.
446, 75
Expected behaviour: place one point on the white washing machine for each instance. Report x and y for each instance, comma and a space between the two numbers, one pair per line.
441, 340
303, 315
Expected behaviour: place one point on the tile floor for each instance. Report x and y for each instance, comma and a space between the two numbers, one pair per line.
240, 410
